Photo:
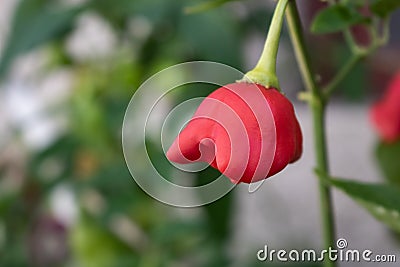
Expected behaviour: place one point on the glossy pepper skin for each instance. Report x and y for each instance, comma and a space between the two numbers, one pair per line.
385, 114
244, 130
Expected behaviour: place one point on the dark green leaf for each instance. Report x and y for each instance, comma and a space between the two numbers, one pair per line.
336, 18
388, 156
95, 245
204, 6
381, 200
354, 3
117, 14
197, 31
34, 24
115, 183
383, 8
354, 86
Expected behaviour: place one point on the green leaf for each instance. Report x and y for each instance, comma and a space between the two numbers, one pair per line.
388, 156
336, 18
383, 8
381, 200
353, 86
93, 245
34, 24
205, 6
216, 26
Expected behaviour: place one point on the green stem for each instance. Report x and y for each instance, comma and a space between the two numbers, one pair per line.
358, 54
265, 71
347, 68
386, 31
348, 36
296, 36
317, 106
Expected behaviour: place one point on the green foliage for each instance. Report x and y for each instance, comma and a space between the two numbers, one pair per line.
336, 18
381, 200
219, 212
96, 246
388, 156
35, 23
199, 30
354, 86
205, 6
88, 155
118, 15
383, 8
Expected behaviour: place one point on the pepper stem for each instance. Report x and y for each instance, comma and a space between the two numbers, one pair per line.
264, 72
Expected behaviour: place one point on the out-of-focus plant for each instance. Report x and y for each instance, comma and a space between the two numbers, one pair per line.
385, 116
116, 223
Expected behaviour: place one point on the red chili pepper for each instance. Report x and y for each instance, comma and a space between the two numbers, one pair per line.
244, 130
385, 114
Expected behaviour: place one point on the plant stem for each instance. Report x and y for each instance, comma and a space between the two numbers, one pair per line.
348, 36
296, 36
317, 105
265, 71
358, 54
347, 68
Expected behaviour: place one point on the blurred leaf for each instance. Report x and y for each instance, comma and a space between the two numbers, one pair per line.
158, 159
336, 18
354, 86
204, 6
15, 255
355, 3
115, 184
388, 156
219, 219
213, 255
383, 8
381, 200
6, 201
218, 212
182, 237
88, 112
34, 24
219, 215
211, 36
257, 21
62, 150
95, 246
114, 12
119, 14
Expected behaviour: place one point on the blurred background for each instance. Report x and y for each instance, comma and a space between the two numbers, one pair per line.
67, 72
